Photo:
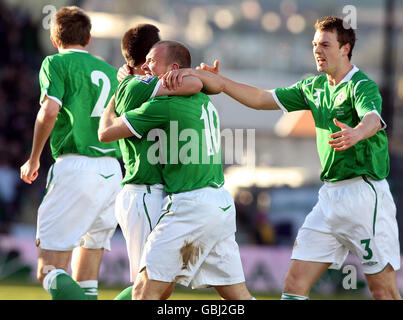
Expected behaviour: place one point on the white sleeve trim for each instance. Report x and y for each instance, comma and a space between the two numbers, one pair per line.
127, 123
53, 98
356, 85
377, 113
157, 86
273, 93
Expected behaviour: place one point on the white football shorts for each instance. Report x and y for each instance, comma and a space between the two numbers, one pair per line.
137, 210
357, 215
78, 207
194, 242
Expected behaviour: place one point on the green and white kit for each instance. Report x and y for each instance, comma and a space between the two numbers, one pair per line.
78, 208
195, 235
355, 211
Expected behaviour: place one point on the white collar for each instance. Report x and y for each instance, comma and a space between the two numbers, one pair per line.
73, 50
348, 76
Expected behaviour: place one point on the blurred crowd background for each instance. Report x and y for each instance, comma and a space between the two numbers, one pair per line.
263, 42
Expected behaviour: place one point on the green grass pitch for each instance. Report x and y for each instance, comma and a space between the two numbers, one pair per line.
22, 291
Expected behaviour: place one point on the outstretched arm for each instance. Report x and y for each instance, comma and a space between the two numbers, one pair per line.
214, 83
250, 96
175, 79
44, 123
112, 127
190, 85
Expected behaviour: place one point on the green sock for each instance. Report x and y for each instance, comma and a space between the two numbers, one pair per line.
62, 287
90, 288
288, 296
126, 294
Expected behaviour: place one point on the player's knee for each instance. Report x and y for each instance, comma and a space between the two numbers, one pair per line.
293, 283
138, 291
40, 275
383, 292
139, 288
380, 294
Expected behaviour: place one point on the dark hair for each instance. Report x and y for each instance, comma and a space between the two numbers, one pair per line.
69, 26
137, 42
344, 35
177, 52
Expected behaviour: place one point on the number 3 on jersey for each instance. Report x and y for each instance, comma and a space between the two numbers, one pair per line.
211, 131
99, 107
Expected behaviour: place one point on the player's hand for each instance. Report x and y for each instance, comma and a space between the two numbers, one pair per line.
174, 78
29, 171
345, 138
123, 72
215, 69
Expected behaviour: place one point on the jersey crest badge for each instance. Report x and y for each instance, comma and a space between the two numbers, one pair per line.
146, 78
341, 98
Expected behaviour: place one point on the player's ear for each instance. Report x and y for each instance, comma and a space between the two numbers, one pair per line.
346, 49
53, 42
88, 41
175, 66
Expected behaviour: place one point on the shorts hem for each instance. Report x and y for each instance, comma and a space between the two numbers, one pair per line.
218, 283
333, 265
50, 248
395, 267
107, 248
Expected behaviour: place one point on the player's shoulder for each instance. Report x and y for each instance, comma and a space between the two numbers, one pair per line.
311, 81
134, 80
360, 76
101, 63
361, 81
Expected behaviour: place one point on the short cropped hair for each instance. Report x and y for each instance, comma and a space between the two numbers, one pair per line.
137, 42
71, 26
344, 35
177, 52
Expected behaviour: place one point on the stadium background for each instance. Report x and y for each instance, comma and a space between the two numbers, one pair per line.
263, 42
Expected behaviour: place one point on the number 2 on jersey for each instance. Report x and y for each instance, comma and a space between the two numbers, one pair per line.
96, 76
211, 132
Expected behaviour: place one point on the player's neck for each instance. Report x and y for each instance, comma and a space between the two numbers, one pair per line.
72, 47
335, 77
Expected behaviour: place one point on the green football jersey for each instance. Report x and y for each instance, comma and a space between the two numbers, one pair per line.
348, 102
82, 85
130, 94
189, 136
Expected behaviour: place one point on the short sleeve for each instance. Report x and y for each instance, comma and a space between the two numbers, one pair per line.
51, 81
367, 98
152, 114
291, 98
133, 91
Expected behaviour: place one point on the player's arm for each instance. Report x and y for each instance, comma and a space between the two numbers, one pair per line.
112, 127
175, 79
348, 137
250, 96
190, 85
44, 124
368, 105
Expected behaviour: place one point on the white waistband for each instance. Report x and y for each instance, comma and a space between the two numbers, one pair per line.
347, 181
144, 188
80, 156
